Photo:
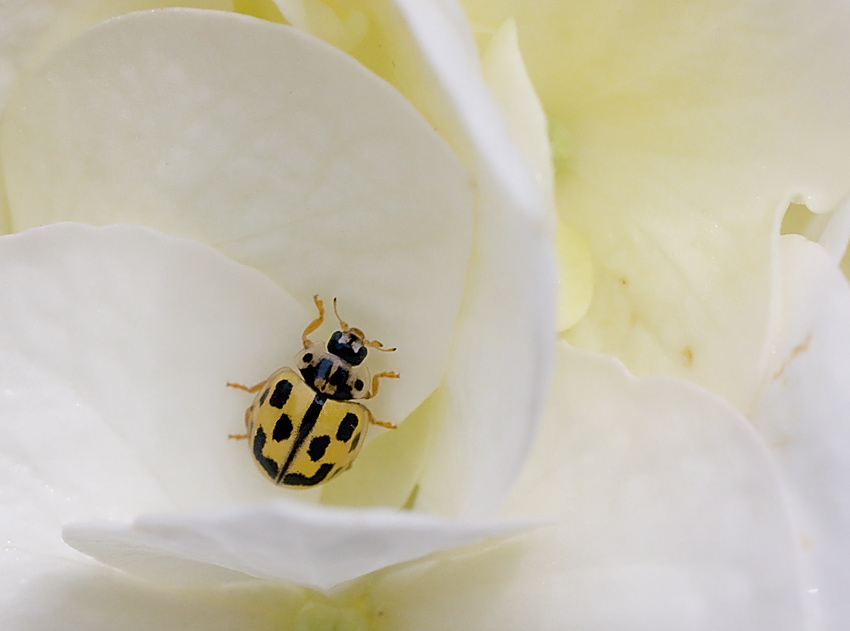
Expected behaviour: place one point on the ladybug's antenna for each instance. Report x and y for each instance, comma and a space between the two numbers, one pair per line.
342, 323
370, 343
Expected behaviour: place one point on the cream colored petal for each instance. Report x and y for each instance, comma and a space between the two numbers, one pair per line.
506, 76
341, 25
508, 80
693, 126
31, 29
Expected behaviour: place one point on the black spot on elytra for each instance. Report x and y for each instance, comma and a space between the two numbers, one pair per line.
264, 396
282, 428
354, 443
318, 447
281, 394
268, 465
297, 479
346, 427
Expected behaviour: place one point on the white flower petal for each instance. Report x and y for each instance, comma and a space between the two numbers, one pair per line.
279, 150
117, 344
283, 541
803, 415
670, 513
498, 369
836, 233
30, 29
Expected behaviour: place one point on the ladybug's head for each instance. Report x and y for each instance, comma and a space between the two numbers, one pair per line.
349, 345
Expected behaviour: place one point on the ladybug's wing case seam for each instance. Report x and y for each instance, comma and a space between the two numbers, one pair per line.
301, 438
305, 428
330, 447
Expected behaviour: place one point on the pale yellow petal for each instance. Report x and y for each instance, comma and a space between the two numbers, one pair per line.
693, 125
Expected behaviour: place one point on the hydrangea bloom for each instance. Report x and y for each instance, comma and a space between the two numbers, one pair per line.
251, 164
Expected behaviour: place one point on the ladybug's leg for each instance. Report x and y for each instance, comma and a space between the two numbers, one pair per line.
378, 346
251, 389
381, 375
247, 422
380, 423
315, 324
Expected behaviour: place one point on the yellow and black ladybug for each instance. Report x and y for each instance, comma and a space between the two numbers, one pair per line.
304, 427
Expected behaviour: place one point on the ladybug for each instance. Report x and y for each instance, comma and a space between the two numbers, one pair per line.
305, 426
